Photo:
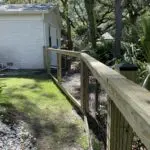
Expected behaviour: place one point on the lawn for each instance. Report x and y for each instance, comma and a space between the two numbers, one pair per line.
45, 111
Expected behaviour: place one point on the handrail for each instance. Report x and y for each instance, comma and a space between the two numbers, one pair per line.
130, 99
65, 52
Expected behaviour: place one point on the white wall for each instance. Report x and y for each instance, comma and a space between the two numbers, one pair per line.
21, 41
52, 20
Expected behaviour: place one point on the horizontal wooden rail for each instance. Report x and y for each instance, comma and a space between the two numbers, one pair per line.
132, 100
128, 101
65, 52
73, 100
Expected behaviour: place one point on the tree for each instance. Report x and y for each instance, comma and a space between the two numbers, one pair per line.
118, 21
89, 5
66, 10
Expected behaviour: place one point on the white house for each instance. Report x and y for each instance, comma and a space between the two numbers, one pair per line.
24, 30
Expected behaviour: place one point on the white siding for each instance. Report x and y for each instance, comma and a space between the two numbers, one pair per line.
21, 41
53, 21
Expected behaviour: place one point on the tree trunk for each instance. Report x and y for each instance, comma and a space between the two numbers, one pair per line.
70, 44
89, 5
118, 20
66, 12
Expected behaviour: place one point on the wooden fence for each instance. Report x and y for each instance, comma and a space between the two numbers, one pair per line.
128, 103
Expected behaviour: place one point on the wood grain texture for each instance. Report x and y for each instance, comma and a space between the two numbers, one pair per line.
126, 136
84, 87
132, 100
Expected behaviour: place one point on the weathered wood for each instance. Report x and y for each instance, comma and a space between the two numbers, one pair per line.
65, 52
127, 137
59, 67
84, 87
46, 59
90, 147
132, 100
96, 96
111, 125
71, 98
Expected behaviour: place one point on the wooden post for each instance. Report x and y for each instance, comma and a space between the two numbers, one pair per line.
119, 132
46, 59
84, 87
96, 95
59, 69
48, 54
129, 71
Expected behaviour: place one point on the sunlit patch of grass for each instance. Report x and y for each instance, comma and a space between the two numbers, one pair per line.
47, 111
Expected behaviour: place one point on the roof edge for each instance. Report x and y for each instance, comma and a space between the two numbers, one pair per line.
24, 12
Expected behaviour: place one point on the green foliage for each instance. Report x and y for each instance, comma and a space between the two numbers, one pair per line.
81, 30
145, 40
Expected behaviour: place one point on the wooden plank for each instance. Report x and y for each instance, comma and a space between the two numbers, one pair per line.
71, 98
96, 96
59, 69
117, 118
65, 52
88, 133
132, 100
111, 130
125, 140
48, 61
84, 88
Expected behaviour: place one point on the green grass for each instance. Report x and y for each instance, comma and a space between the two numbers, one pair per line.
49, 115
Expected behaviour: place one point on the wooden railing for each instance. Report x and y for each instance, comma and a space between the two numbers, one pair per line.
128, 103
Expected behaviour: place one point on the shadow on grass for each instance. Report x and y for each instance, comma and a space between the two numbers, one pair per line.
42, 123
56, 128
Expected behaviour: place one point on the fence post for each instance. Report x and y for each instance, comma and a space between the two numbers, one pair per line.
130, 72
59, 69
84, 87
97, 88
119, 132
46, 59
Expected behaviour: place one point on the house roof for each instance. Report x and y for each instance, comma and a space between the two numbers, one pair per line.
26, 8
107, 36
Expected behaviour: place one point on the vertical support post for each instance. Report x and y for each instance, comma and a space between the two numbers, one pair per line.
84, 87
48, 54
120, 133
59, 69
111, 125
46, 59
130, 72
96, 95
